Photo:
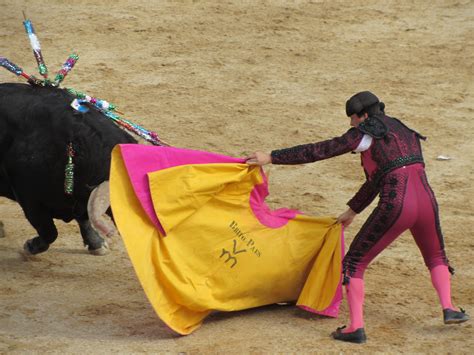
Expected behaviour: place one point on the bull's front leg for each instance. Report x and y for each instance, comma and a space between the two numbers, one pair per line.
44, 225
95, 243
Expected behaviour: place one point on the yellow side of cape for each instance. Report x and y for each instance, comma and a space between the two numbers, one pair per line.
216, 254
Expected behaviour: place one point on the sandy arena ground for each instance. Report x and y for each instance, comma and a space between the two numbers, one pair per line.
233, 77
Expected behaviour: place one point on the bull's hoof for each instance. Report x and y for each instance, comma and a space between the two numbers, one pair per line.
35, 246
103, 250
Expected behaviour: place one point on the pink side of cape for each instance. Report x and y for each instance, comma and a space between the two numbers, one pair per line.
141, 160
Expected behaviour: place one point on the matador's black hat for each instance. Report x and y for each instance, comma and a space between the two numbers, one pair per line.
360, 102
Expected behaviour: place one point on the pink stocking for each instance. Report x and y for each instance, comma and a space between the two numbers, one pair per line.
355, 299
441, 279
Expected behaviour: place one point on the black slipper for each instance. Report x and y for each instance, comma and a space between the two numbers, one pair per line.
357, 336
450, 316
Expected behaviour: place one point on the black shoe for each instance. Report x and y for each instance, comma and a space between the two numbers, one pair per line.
451, 316
357, 336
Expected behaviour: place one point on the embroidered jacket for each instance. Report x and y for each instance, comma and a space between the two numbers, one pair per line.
384, 142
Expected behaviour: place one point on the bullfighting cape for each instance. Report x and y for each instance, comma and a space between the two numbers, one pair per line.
201, 238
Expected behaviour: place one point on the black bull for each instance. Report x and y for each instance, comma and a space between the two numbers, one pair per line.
36, 126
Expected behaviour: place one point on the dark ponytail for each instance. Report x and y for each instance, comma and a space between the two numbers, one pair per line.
377, 109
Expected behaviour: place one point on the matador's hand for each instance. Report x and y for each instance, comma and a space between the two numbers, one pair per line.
346, 218
259, 158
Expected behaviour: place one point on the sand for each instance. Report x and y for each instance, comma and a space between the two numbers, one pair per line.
233, 77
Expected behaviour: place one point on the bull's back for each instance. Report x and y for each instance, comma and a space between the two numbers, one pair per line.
36, 126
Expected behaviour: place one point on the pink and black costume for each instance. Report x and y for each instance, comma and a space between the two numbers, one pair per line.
394, 169
393, 164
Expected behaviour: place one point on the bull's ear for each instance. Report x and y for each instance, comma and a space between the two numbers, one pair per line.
90, 187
